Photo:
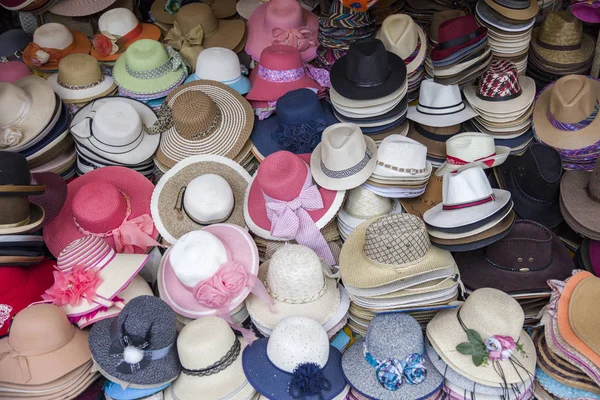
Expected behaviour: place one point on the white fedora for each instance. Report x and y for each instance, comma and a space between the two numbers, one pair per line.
221, 65
344, 159
401, 36
403, 158
440, 105
470, 147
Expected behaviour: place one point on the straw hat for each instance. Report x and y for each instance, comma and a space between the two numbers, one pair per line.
80, 8
467, 148
520, 10
51, 43
497, 321
199, 191
361, 205
584, 295
80, 79
401, 160
299, 284
203, 117
211, 360
401, 36
165, 11
221, 65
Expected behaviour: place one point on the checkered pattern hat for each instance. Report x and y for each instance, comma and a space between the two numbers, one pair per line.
500, 82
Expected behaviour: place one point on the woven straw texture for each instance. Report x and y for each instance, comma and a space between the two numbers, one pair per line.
79, 69
364, 204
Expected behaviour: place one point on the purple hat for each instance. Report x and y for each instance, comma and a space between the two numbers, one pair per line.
586, 10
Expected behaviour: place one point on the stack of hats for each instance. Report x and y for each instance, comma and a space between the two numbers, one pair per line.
481, 348
402, 169
42, 336
339, 27
425, 11
504, 102
388, 264
405, 38
164, 12
509, 29
460, 51
368, 88
559, 47
565, 117
472, 215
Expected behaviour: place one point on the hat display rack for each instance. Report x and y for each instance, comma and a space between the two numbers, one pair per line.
299, 200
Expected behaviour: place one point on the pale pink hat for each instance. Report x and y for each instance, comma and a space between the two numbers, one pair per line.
282, 22
110, 202
12, 71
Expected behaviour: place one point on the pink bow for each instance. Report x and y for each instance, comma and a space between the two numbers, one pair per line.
134, 233
290, 219
301, 38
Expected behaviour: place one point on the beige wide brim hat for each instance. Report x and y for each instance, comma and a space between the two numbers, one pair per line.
321, 309
361, 272
523, 101
104, 88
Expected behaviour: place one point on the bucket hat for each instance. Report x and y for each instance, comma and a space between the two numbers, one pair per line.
295, 361
211, 358
299, 284
105, 203
51, 43
137, 346
20, 287
455, 35
282, 22
368, 71
199, 191
402, 36
80, 8
203, 117
519, 10
193, 288
29, 349
80, 79
12, 71
467, 148
90, 274
119, 27
388, 249
440, 106
579, 201
487, 327
390, 362
146, 68
221, 65
12, 44
299, 121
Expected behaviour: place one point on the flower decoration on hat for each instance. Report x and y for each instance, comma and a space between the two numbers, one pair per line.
308, 380
173, 6
41, 58
72, 287
105, 44
301, 38
300, 138
393, 373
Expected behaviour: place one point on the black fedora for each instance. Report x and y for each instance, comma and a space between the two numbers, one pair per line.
368, 71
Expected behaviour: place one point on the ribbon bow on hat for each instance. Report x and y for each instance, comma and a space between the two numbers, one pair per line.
188, 45
301, 38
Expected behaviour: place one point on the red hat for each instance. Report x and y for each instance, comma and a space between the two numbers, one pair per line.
19, 287
456, 34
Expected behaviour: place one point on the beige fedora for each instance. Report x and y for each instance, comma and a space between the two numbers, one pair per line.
401, 36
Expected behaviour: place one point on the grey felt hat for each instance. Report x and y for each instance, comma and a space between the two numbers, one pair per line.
138, 346
373, 367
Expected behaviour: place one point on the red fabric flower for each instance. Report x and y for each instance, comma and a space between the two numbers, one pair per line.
102, 44
73, 286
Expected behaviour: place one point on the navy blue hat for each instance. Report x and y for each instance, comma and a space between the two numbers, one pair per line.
12, 42
299, 120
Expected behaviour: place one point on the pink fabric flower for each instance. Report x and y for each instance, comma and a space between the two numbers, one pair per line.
73, 286
500, 348
234, 278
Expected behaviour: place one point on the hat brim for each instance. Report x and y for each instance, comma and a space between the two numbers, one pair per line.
149, 31
36, 219
475, 229
105, 87
229, 35
242, 86
432, 196
418, 60
564, 57
263, 90
519, 103
441, 120
167, 219
497, 20
519, 15
182, 300
55, 135
77, 8
371, 107
116, 392
501, 154
576, 200
450, 53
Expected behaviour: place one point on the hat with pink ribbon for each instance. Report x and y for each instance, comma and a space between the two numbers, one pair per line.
112, 203
89, 277
283, 203
283, 22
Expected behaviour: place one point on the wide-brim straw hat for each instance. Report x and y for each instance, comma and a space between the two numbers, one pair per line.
523, 101
172, 224
69, 95
80, 8
564, 57
516, 14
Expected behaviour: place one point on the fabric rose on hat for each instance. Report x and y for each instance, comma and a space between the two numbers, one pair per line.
105, 44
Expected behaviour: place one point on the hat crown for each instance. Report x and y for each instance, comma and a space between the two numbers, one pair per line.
466, 186
402, 152
218, 64
400, 35
435, 95
394, 336
117, 123
493, 312
280, 57
144, 55
367, 63
195, 115
14, 169
29, 330
99, 214
194, 14
79, 70
342, 146
561, 29
15, 102
208, 199
295, 273
456, 27
572, 99
439, 18
284, 14
297, 340
470, 146
298, 106
537, 172
89, 251
118, 21
281, 175
364, 204
203, 342
396, 239
500, 80
53, 36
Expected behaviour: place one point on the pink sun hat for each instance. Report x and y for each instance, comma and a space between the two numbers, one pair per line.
112, 203
12, 71
279, 71
283, 22
210, 271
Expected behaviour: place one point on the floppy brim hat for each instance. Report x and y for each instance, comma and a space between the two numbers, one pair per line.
172, 224
500, 155
149, 31
362, 376
441, 120
353, 180
105, 87
575, 198
175, 294
245, 8
62, 229
80, 8
255, 211
523, 101
321, 309
516, 14
81, 45
273, 382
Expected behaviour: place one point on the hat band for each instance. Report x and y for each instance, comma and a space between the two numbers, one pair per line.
173, 63
575, 126
391, 373
281, 76
16, 56
348, 172
460, 206
498, 94
452, 109
81, 87
558, 47
487, 160
411, 171
45, 57
225, 361
305, 300
378, 82
460, 40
